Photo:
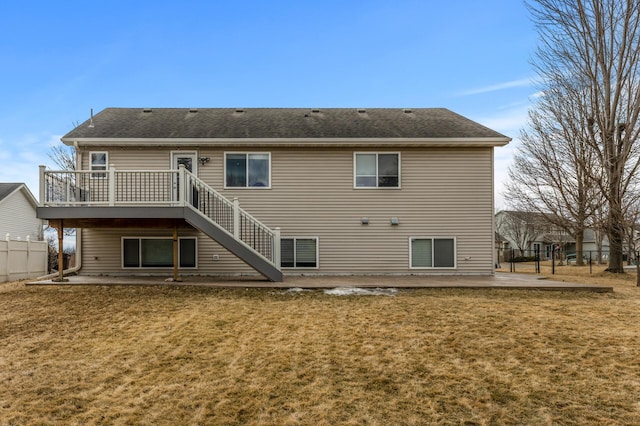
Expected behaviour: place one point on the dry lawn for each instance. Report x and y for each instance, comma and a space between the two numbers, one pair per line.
193, 355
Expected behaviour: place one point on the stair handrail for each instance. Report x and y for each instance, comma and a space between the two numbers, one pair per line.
192, 182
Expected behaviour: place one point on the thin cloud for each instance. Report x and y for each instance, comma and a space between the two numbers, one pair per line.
509, 121
524, 82
22, 171
502, 161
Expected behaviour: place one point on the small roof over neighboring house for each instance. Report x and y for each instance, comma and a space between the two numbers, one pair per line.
340, 125
6, 189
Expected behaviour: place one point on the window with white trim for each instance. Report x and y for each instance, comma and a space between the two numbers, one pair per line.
98, 161
299, 252
247, 170
149, 252
432, 252
377, 170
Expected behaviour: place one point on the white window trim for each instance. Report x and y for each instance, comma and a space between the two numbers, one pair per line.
185, 154
133, 237
247, 153
106, 169
436, 237
297, 237
355, 154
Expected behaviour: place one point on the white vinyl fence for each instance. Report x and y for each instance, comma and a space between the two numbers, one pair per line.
22, 259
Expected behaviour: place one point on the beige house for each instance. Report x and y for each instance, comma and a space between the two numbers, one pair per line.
275, 191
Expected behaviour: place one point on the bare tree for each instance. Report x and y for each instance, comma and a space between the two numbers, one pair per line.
632, 227
63, 156
591, 50
520, 228
553, 168
598, 224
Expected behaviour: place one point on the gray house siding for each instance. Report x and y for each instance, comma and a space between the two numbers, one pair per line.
444, 192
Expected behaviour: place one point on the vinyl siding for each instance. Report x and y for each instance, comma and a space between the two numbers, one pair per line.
18, 218
445, 192
102, 253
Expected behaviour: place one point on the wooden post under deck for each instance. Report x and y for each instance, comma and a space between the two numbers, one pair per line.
176, 277
60, 229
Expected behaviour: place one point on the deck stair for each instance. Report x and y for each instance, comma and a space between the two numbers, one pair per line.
120, 193
232, 227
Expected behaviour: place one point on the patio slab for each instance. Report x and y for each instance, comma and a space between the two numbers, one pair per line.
497, 281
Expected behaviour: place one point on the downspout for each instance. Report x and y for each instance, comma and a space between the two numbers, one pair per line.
495, 256
76, 147
78, 260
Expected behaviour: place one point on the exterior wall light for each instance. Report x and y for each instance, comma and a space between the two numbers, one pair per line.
203, 160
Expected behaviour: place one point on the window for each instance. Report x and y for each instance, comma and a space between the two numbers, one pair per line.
98, 161
377, 170
432, 252
157, 252
299, 252
248, 170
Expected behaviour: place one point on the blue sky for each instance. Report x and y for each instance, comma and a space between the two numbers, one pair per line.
60, 59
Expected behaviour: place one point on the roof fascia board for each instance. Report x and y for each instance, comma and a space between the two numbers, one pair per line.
285, 142
30, 196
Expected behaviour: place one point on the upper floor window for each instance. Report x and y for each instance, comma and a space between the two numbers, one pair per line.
377, 170
247, 170
98, 161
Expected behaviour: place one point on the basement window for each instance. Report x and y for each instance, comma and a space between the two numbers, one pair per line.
299, 252
157, 252
427, 253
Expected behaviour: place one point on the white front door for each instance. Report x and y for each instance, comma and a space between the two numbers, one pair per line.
189, 159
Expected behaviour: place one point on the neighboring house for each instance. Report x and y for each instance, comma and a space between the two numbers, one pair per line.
317, 191
499, 241
23, 253
18, 213
590, 243
529, 232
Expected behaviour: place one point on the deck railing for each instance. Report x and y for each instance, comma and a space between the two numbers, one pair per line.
121, 187
172, 188
229, 215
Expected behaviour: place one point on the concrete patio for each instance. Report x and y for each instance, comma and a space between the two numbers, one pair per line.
511, 281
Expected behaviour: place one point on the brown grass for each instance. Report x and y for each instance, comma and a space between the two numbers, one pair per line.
193, 355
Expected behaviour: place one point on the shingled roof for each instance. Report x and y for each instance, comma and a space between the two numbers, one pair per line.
7, 189
280, 123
